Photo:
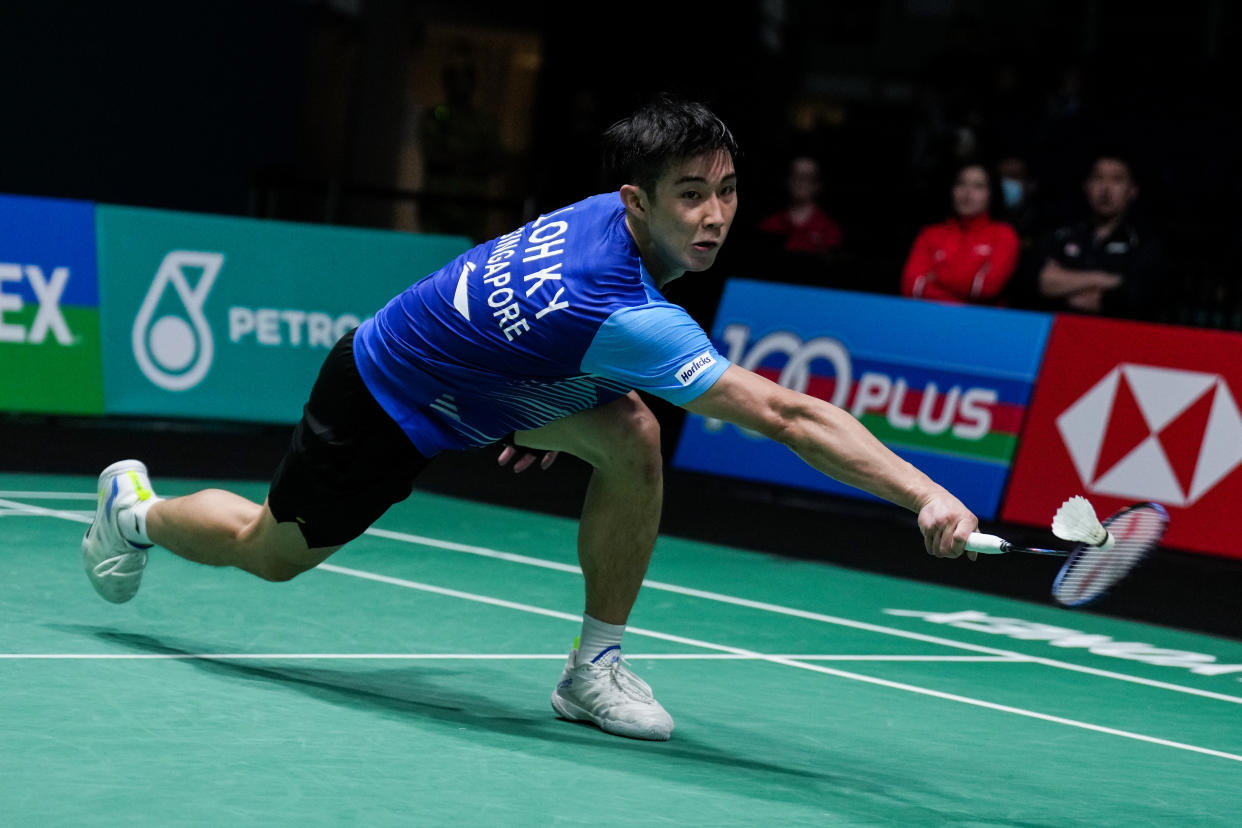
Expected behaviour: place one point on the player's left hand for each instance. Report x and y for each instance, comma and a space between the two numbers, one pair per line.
523, 458
946, 524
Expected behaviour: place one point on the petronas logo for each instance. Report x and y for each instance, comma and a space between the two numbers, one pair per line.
171, 338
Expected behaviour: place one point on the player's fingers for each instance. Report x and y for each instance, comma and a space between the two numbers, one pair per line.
943, 542
506, 454
959, 540
523, 463
548, 460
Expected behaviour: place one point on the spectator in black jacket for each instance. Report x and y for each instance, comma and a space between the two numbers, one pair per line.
1106, 264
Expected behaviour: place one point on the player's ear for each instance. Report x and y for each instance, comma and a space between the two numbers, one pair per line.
634, 199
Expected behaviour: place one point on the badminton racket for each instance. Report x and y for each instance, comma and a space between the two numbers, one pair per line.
1104, 553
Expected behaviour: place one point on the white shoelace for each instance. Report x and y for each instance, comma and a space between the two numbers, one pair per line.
628, 683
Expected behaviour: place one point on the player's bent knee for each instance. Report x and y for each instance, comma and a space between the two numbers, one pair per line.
279, 568
635, 425
635, 441
278, 571
278, 552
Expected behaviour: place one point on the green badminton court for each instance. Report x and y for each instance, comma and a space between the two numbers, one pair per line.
406, 682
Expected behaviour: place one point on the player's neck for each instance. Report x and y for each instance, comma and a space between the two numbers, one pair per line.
661, 271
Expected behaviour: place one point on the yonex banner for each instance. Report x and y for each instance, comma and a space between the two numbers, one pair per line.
49, 307
1126, 412
230, 318
945, 387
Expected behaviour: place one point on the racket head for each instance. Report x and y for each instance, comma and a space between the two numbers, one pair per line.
1091, 571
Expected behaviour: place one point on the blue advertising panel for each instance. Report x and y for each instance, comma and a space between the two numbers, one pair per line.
49, 307
945, 387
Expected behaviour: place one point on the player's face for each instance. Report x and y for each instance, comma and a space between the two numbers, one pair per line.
690, 214
970, 192
1110, 189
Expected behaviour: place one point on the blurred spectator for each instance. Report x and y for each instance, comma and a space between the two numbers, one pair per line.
969, 257
1020, 206
802, 227
1105, 264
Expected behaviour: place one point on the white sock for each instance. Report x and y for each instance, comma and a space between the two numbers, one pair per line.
596, 638
133, 521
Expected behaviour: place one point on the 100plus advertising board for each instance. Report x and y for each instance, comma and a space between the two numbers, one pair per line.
230, 318
49, 307
1129, 412
945, 387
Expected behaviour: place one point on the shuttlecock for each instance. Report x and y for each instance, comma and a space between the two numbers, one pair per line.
1076, 521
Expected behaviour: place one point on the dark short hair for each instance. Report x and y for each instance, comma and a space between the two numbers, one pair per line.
996, 196
1114, 150
638, 149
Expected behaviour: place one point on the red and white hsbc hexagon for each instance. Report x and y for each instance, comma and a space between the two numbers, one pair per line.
1126, 412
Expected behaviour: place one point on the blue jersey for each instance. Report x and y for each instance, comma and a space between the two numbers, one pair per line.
554, 318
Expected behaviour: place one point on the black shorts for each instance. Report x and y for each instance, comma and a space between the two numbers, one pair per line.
347, 461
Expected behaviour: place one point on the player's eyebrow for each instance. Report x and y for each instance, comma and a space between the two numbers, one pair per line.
698, 179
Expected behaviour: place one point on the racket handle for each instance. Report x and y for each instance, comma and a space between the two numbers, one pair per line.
986, 544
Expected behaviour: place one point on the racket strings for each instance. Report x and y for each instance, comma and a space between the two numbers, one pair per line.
1093, 570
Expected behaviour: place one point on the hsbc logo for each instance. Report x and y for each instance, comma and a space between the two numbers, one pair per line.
1148, 433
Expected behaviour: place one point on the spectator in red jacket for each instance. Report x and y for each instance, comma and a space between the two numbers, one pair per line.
802, 226
970, 257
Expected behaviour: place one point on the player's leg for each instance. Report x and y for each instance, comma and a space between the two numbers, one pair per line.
621, 512
620, 520
347, 463
219, 528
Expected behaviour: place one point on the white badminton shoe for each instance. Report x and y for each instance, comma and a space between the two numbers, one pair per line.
607, 692
113, 563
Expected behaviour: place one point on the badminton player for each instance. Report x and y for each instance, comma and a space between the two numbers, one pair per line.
544, 335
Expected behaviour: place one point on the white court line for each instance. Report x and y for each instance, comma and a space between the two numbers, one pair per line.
50, 495
81, 513
464, 657
802, 665
810, 616
789, 662
27, 509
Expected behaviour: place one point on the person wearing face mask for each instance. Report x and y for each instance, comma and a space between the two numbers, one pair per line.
970, 257
1020, 207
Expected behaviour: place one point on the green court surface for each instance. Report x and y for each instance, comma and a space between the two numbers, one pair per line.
406, 682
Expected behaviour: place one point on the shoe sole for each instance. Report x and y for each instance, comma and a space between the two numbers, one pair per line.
573, 712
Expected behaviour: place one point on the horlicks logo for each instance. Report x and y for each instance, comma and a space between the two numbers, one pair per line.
687, 372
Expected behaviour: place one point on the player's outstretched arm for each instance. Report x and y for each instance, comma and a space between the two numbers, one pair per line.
835, 443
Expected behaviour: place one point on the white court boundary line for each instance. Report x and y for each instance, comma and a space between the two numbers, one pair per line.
775, 659
13, 507
808, 615
787, 662
50, 495
469, 657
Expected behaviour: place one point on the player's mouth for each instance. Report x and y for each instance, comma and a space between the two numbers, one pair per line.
705, 246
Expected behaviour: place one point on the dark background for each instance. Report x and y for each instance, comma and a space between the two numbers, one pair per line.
301, 109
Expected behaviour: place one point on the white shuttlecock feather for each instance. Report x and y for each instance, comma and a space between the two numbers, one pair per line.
1076, 521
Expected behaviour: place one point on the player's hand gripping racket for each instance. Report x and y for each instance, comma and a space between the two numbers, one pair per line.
1105, 552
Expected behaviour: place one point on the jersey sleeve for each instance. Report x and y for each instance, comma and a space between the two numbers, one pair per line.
655, 348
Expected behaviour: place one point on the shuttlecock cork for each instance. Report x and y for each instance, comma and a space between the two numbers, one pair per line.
1076, 521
